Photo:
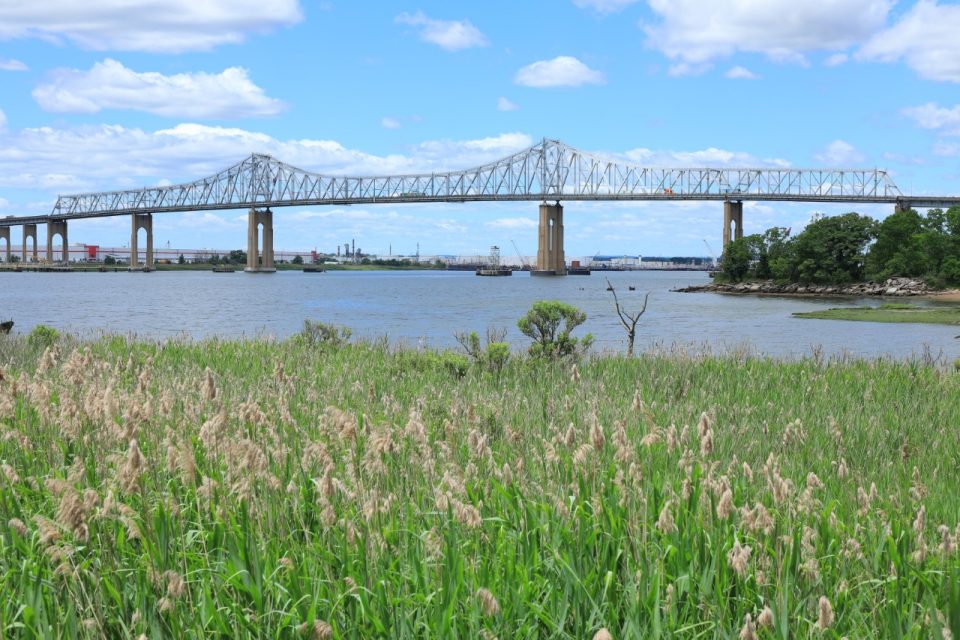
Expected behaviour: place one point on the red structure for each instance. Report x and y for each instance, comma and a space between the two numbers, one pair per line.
92, 252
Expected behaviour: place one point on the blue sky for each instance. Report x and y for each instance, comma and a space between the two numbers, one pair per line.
107, 94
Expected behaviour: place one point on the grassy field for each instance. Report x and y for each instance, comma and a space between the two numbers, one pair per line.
300, 490
894, 312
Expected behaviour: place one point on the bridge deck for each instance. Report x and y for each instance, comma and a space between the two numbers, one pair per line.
547, 171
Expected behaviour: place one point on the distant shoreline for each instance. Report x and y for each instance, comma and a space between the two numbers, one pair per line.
894, 287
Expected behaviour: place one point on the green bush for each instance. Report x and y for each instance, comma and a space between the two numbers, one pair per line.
494, 356
43, 336
320, 334
542, 324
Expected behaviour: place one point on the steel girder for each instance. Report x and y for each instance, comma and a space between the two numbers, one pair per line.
549, 170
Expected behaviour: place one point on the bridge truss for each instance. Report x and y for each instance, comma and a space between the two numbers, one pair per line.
549, 170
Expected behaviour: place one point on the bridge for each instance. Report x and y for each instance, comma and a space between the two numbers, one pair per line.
547, 171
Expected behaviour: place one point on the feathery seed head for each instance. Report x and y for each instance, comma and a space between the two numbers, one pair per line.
739, 558
765, 619
488, 603
824, 614
17, 525
665, 523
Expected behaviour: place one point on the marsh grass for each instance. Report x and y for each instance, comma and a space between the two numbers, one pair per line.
278, 489
891, 312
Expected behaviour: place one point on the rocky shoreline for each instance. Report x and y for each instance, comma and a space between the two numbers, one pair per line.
894, 287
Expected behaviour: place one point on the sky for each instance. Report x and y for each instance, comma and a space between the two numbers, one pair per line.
118, 94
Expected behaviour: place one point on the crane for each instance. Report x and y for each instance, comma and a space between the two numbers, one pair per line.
522, 261
713, 256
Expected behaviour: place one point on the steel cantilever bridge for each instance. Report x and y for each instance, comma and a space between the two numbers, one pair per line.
549, 170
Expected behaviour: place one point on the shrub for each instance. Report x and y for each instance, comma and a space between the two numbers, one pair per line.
319, 334
542, 324
494, 356
43, 336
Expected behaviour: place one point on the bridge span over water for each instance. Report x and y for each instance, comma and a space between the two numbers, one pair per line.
547, 171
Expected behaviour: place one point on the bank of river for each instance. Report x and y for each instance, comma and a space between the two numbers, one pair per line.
894, 287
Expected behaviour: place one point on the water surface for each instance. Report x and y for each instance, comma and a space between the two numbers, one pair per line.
428, 307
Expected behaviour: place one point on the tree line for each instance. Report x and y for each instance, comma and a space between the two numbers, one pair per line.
852, 248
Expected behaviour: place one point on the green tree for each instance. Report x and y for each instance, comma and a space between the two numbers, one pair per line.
831, 250
181, 260
297, 260
776, 251
735, 262
542, 324
934, 241
952, 216
899, 249
108, 260
951, 270
237, 257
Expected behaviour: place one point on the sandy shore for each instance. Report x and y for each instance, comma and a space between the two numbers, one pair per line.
951, 295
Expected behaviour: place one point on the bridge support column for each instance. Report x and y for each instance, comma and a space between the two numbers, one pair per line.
54, 228
30, 232
550, 258
902, 206
257, 261
732, 214
141, 221
5, 234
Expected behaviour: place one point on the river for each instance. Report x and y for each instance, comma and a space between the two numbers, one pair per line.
427, 307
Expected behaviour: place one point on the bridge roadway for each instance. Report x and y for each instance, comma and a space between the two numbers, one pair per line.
549, 170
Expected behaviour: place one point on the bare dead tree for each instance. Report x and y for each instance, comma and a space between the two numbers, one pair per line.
628, 320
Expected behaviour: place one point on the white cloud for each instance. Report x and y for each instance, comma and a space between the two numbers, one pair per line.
389, 123
110, 85
513, 223
710, 157
456, 154
506, 105
946, 149
836, 59
115, 157
452, 35
3, 120
697, 31
932, 116
604, 6
562, 71
925, 37
840, 153
172, 26
741, 73
680, 69
9, 64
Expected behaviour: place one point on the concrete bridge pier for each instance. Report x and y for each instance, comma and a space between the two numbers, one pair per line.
260, 261
30, 232
550, 258
5, 234
902, 206
57, 228
141, 221
732, 215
